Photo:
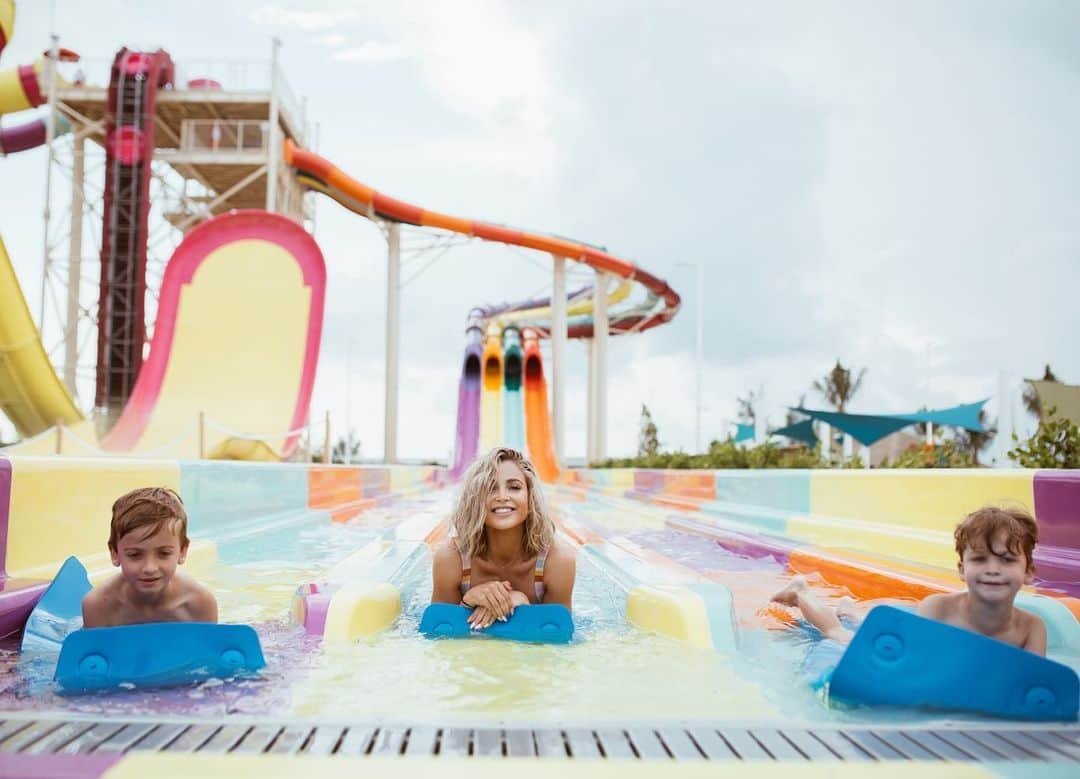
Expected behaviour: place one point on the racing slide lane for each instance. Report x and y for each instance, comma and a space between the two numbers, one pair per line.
537, 418
237, 338
468, 413
491, 421
513, 422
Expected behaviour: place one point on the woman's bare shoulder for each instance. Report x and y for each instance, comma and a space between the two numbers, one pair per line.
562, 549
446, 552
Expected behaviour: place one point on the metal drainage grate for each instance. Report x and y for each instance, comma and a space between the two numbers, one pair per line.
703, 742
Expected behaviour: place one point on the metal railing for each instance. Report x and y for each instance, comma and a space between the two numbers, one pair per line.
231, 135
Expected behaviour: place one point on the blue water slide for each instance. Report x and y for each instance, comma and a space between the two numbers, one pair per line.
513, 407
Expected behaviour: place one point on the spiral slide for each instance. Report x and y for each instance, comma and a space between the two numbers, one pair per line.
483, 416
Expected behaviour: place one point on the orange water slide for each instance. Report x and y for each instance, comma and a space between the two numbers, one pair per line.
538, 434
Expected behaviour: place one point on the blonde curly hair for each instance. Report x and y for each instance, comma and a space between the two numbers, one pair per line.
470, 513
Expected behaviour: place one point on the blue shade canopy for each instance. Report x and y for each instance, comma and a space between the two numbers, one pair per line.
868, 428
743, 432
864, 428
800, 431
966, 416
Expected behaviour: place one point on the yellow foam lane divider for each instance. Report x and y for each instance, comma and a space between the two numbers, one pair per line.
360, 610
178, 765
701, 615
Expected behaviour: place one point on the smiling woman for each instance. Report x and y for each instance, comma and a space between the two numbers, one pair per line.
502, 552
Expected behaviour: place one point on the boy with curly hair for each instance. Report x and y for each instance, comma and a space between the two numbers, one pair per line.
996, 548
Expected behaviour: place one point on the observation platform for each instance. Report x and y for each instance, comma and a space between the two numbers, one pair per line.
216, 137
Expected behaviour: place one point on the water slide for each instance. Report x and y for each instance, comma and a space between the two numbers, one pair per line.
513, 411
237, 339
660, 304
31, 394
134, 82
491, 419
468, 413
537, 417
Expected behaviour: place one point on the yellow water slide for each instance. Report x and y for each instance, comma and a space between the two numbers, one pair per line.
31, 394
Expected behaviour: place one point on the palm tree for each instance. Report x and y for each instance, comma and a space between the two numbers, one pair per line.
974, 442
1031, 397
837, 386
648, 441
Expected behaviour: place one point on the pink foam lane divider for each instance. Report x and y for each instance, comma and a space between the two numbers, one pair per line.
1057, 507
46, 766
189, 255
314, 603
17, 596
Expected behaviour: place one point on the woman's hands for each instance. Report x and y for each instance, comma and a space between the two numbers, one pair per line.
492, 601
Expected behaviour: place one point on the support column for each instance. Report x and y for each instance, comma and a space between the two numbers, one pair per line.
558, 358
590, 402
699, 354
74, 280
273, 142
600, 342
393, 317
50, 135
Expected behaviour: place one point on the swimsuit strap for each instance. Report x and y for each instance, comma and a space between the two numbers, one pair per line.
538, 575
466, 568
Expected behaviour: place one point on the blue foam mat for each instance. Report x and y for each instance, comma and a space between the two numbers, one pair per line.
156, 654
545, 623
900, 659
59, 611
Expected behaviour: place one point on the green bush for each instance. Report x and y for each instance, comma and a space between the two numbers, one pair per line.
724, 455
947, 454
1056, 444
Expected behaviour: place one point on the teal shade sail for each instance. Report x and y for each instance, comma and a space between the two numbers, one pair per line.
743, 432
868, 428
800, 431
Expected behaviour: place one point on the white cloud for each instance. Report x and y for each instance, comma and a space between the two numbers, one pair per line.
372, 53
308, 21
333, 41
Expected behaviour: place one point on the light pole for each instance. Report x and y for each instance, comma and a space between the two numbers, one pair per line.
699, 347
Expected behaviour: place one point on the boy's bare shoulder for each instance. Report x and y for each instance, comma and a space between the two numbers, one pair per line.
199, 602
1029, 621
101, 603
939, 604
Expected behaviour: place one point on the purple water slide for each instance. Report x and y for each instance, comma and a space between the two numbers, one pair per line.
22, 137
468, 414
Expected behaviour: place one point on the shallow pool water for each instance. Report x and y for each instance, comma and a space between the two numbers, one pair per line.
610, 672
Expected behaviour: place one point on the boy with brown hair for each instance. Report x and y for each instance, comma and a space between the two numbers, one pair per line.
147, 541
996, 548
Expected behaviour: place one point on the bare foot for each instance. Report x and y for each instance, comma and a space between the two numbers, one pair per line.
848, 607
789, 596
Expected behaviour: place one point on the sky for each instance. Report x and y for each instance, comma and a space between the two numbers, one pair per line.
893, 185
